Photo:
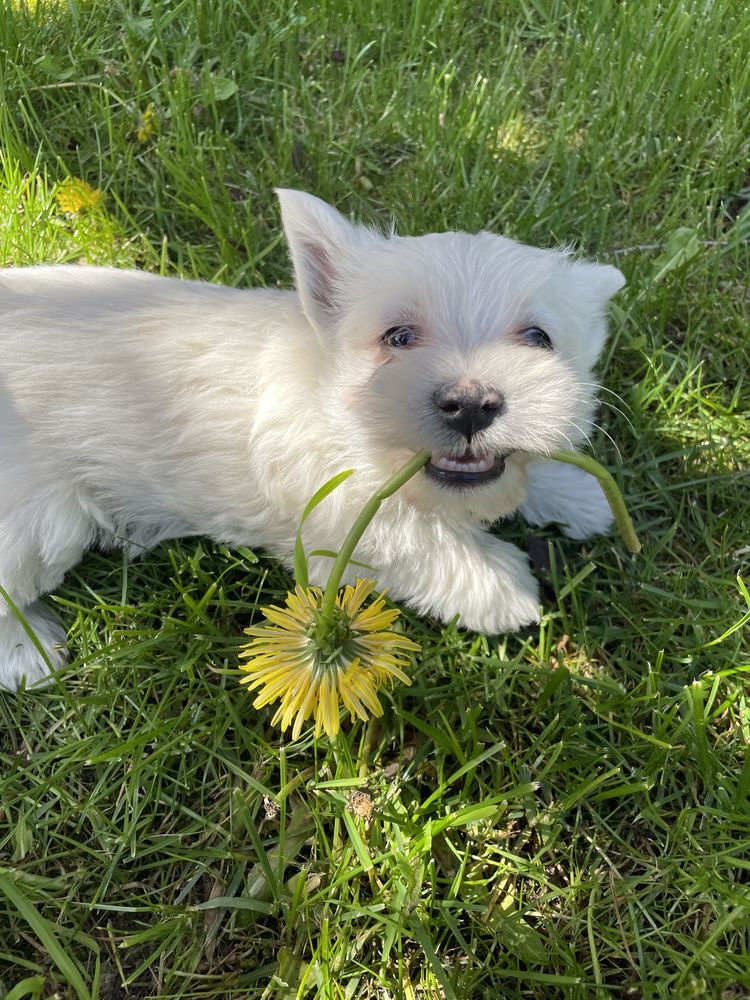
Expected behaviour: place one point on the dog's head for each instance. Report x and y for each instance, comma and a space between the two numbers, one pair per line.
476, 348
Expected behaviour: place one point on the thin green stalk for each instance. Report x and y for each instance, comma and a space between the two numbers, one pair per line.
585, 462
411, 468
611, 491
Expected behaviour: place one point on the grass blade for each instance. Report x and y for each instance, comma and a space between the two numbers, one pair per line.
300, 560
45, 931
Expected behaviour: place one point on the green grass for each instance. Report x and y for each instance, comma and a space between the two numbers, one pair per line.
561, 814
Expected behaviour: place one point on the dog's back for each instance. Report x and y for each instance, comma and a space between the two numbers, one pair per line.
124, 398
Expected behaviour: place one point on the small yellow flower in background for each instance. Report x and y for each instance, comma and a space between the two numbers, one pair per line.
147, 124
74, 195
312, 663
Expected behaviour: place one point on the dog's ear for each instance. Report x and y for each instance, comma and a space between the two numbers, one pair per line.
582, 291
323, 247
598, 281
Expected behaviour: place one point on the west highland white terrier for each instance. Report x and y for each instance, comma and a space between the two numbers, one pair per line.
136, 408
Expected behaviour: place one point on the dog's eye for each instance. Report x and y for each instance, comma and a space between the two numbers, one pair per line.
399, 336
536, 337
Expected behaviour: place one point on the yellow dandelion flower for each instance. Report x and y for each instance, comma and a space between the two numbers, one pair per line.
312, 662
74, 195
147, 124
324, 647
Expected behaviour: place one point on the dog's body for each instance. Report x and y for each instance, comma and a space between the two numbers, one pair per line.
135, 408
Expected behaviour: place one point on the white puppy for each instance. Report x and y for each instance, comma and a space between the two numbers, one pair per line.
135, 408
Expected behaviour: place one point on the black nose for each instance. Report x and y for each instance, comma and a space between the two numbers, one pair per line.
469, 411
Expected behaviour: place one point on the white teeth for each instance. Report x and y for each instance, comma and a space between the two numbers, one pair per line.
479, 464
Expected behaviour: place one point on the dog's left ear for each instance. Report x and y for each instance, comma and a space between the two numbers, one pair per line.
599, 281
323, 246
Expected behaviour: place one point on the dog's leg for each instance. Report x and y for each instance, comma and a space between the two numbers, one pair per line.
568, 495
445, 570
19, 657
39, 542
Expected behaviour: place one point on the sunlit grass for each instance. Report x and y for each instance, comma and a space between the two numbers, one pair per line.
561, 813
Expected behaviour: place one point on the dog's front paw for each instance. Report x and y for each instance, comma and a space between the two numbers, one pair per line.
461, 573
594, 516
20, 659
568, 495
509, 614
492, 589
504, 597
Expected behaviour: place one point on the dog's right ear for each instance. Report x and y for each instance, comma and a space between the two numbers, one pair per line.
323, 247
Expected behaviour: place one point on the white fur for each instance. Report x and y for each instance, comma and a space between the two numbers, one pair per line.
135, 408
568, 495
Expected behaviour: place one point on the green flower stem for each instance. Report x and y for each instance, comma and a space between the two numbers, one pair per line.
411, 468
611, 491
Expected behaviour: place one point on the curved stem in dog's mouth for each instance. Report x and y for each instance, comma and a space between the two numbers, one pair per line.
467, 469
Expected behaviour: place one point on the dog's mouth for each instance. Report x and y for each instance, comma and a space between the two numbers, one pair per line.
465, 470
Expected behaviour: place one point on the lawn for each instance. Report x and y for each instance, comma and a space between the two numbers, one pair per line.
559, 813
